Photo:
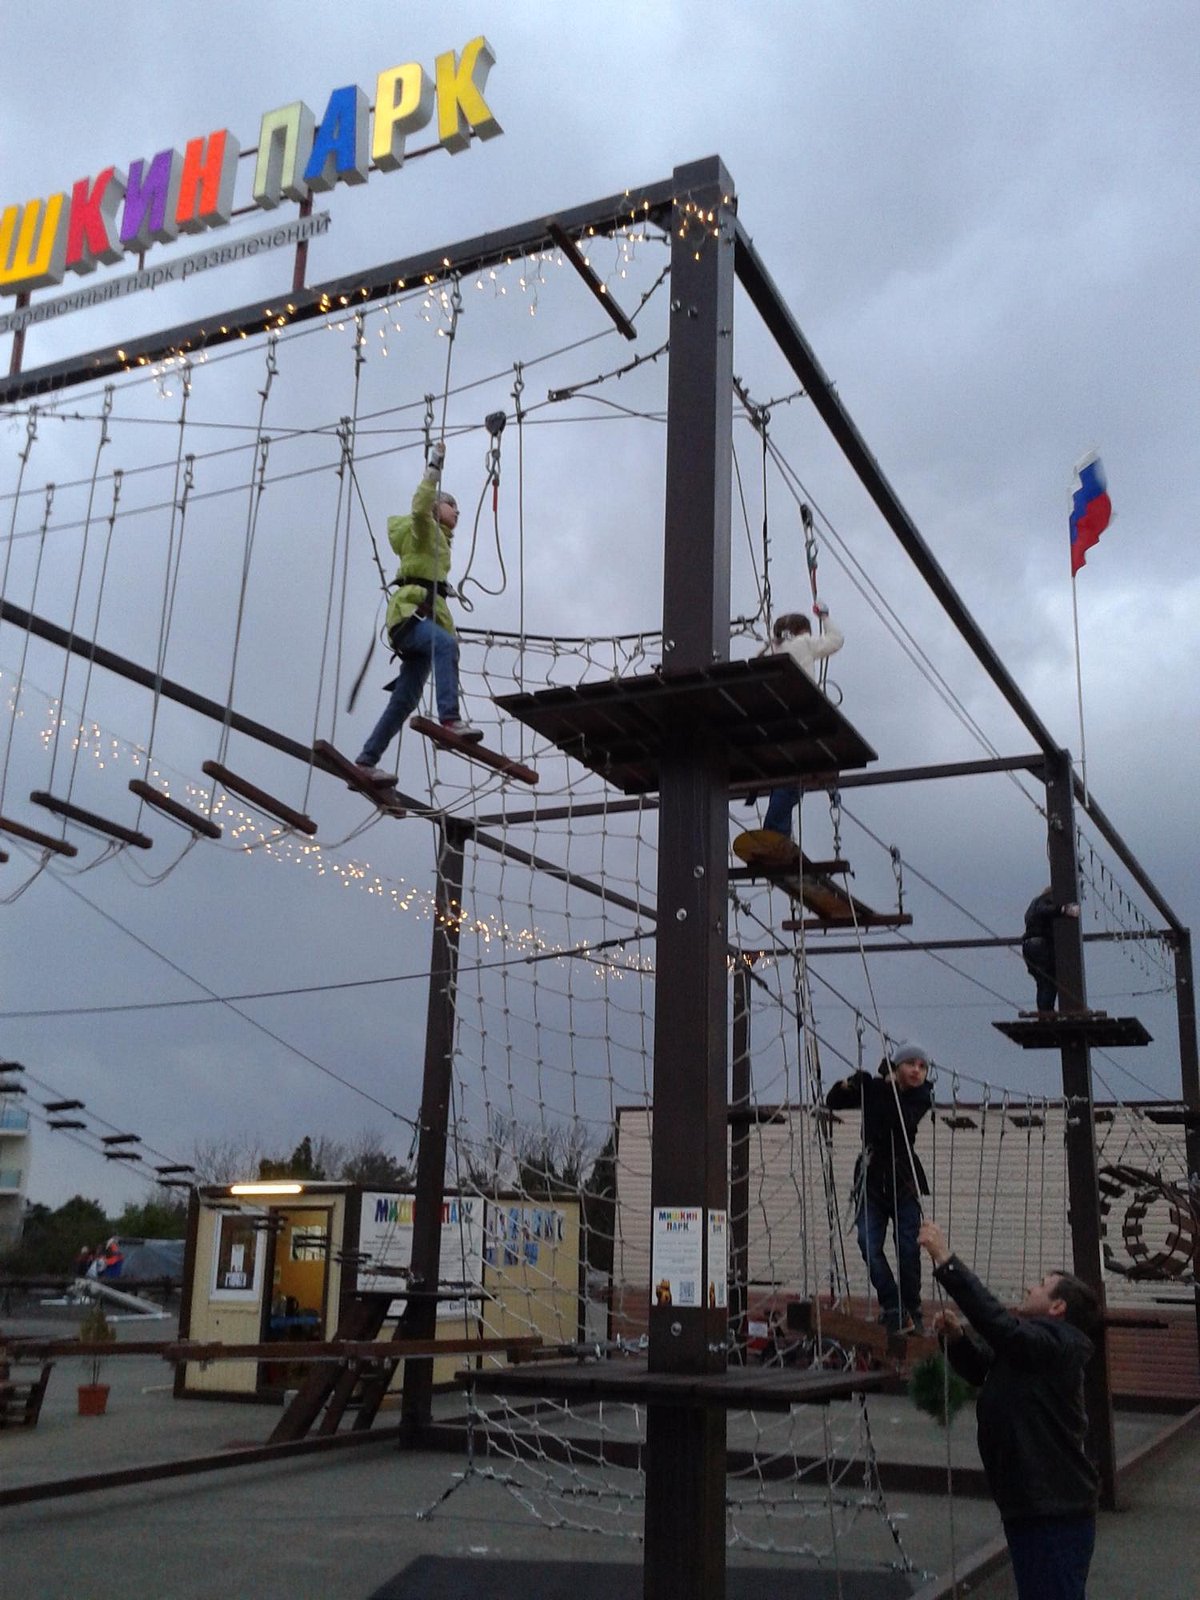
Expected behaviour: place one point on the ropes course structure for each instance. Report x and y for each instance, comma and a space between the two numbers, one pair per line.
628, 1041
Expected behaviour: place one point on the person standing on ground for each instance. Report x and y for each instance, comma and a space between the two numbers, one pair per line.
419, 623
1029, 1364
889, 1179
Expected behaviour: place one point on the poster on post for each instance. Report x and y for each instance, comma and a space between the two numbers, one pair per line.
677, 1262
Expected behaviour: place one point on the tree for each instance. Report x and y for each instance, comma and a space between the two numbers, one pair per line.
156, 1219
367, 1162
599, 1208
302, 1163
221, 1161
51, 1240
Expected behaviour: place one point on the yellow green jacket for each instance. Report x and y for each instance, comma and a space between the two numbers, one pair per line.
424, 550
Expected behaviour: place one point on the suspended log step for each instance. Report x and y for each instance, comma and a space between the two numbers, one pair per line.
330, 759
473, 751
1051, 1030
174, 809
279, 809
89, 819
773, 858
58, 847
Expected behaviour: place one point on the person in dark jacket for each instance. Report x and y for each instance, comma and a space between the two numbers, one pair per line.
1037, 947
889, 1179
1029, 1365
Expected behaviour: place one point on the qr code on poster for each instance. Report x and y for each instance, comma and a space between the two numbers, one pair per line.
687, 1291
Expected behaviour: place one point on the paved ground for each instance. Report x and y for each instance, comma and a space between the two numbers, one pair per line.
345, 1525
1150, 1548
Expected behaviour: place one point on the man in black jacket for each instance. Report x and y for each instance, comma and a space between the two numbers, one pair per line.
1031, 1419
1037, 946
889, 1179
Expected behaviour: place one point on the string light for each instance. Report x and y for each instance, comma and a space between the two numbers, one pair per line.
248, 835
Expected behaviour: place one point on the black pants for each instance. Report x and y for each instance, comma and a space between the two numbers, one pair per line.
1039, 963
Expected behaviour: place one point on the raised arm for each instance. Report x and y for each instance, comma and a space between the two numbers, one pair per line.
1025, 1341
847, 1092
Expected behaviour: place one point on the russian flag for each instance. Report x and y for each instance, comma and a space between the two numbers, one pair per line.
1091, 509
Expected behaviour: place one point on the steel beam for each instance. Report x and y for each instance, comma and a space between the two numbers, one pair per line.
739, 1160
1126, 855
651, 203
758, 284
1189, 1070
685, 1455
1082, 1164
420, 1316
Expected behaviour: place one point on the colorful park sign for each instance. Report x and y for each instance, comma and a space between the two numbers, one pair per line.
115, 213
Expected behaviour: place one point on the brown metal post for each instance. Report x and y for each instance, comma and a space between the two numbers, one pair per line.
1189, 1070
1082, 1164
21, 303
300, 265
685, 1457
420, 1317
739, 1159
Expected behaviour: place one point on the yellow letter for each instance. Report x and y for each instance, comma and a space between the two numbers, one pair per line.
403, 103
461, 106
37, 258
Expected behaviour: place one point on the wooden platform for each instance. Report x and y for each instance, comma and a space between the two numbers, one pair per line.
1095, 1028
777, 725
761, 1389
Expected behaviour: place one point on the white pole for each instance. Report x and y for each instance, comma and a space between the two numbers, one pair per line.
1079, 692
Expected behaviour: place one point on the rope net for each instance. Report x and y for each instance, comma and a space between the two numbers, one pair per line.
237, 528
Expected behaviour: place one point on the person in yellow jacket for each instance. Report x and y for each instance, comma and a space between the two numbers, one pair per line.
419, 623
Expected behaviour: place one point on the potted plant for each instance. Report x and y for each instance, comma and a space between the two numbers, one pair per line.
94, 1329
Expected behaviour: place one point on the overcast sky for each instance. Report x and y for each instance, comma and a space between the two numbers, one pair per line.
983, 219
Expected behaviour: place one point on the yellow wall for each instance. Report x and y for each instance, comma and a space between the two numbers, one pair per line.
525, 1297
240, 1322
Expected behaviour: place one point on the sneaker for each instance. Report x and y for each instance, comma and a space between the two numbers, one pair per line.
376, 777
462, 730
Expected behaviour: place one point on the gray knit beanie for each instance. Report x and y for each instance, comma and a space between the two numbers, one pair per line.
909, 1052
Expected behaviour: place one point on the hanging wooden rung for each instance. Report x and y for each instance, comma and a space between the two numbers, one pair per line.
473, 751
259, 797
174, 808
89, 819
60, 847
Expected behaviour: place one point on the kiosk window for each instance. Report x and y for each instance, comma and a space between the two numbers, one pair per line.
237, 1259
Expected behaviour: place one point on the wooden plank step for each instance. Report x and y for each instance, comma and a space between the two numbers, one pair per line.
175, 809
473, 751
331, 759
773, 857
259, 797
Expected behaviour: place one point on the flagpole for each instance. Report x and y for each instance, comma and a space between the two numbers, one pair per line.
1079, 692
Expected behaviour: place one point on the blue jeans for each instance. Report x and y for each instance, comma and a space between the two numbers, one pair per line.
780, 809
874, 1214
1051, 1556
421, 645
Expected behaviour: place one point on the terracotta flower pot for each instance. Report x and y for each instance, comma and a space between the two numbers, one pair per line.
93, 1399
